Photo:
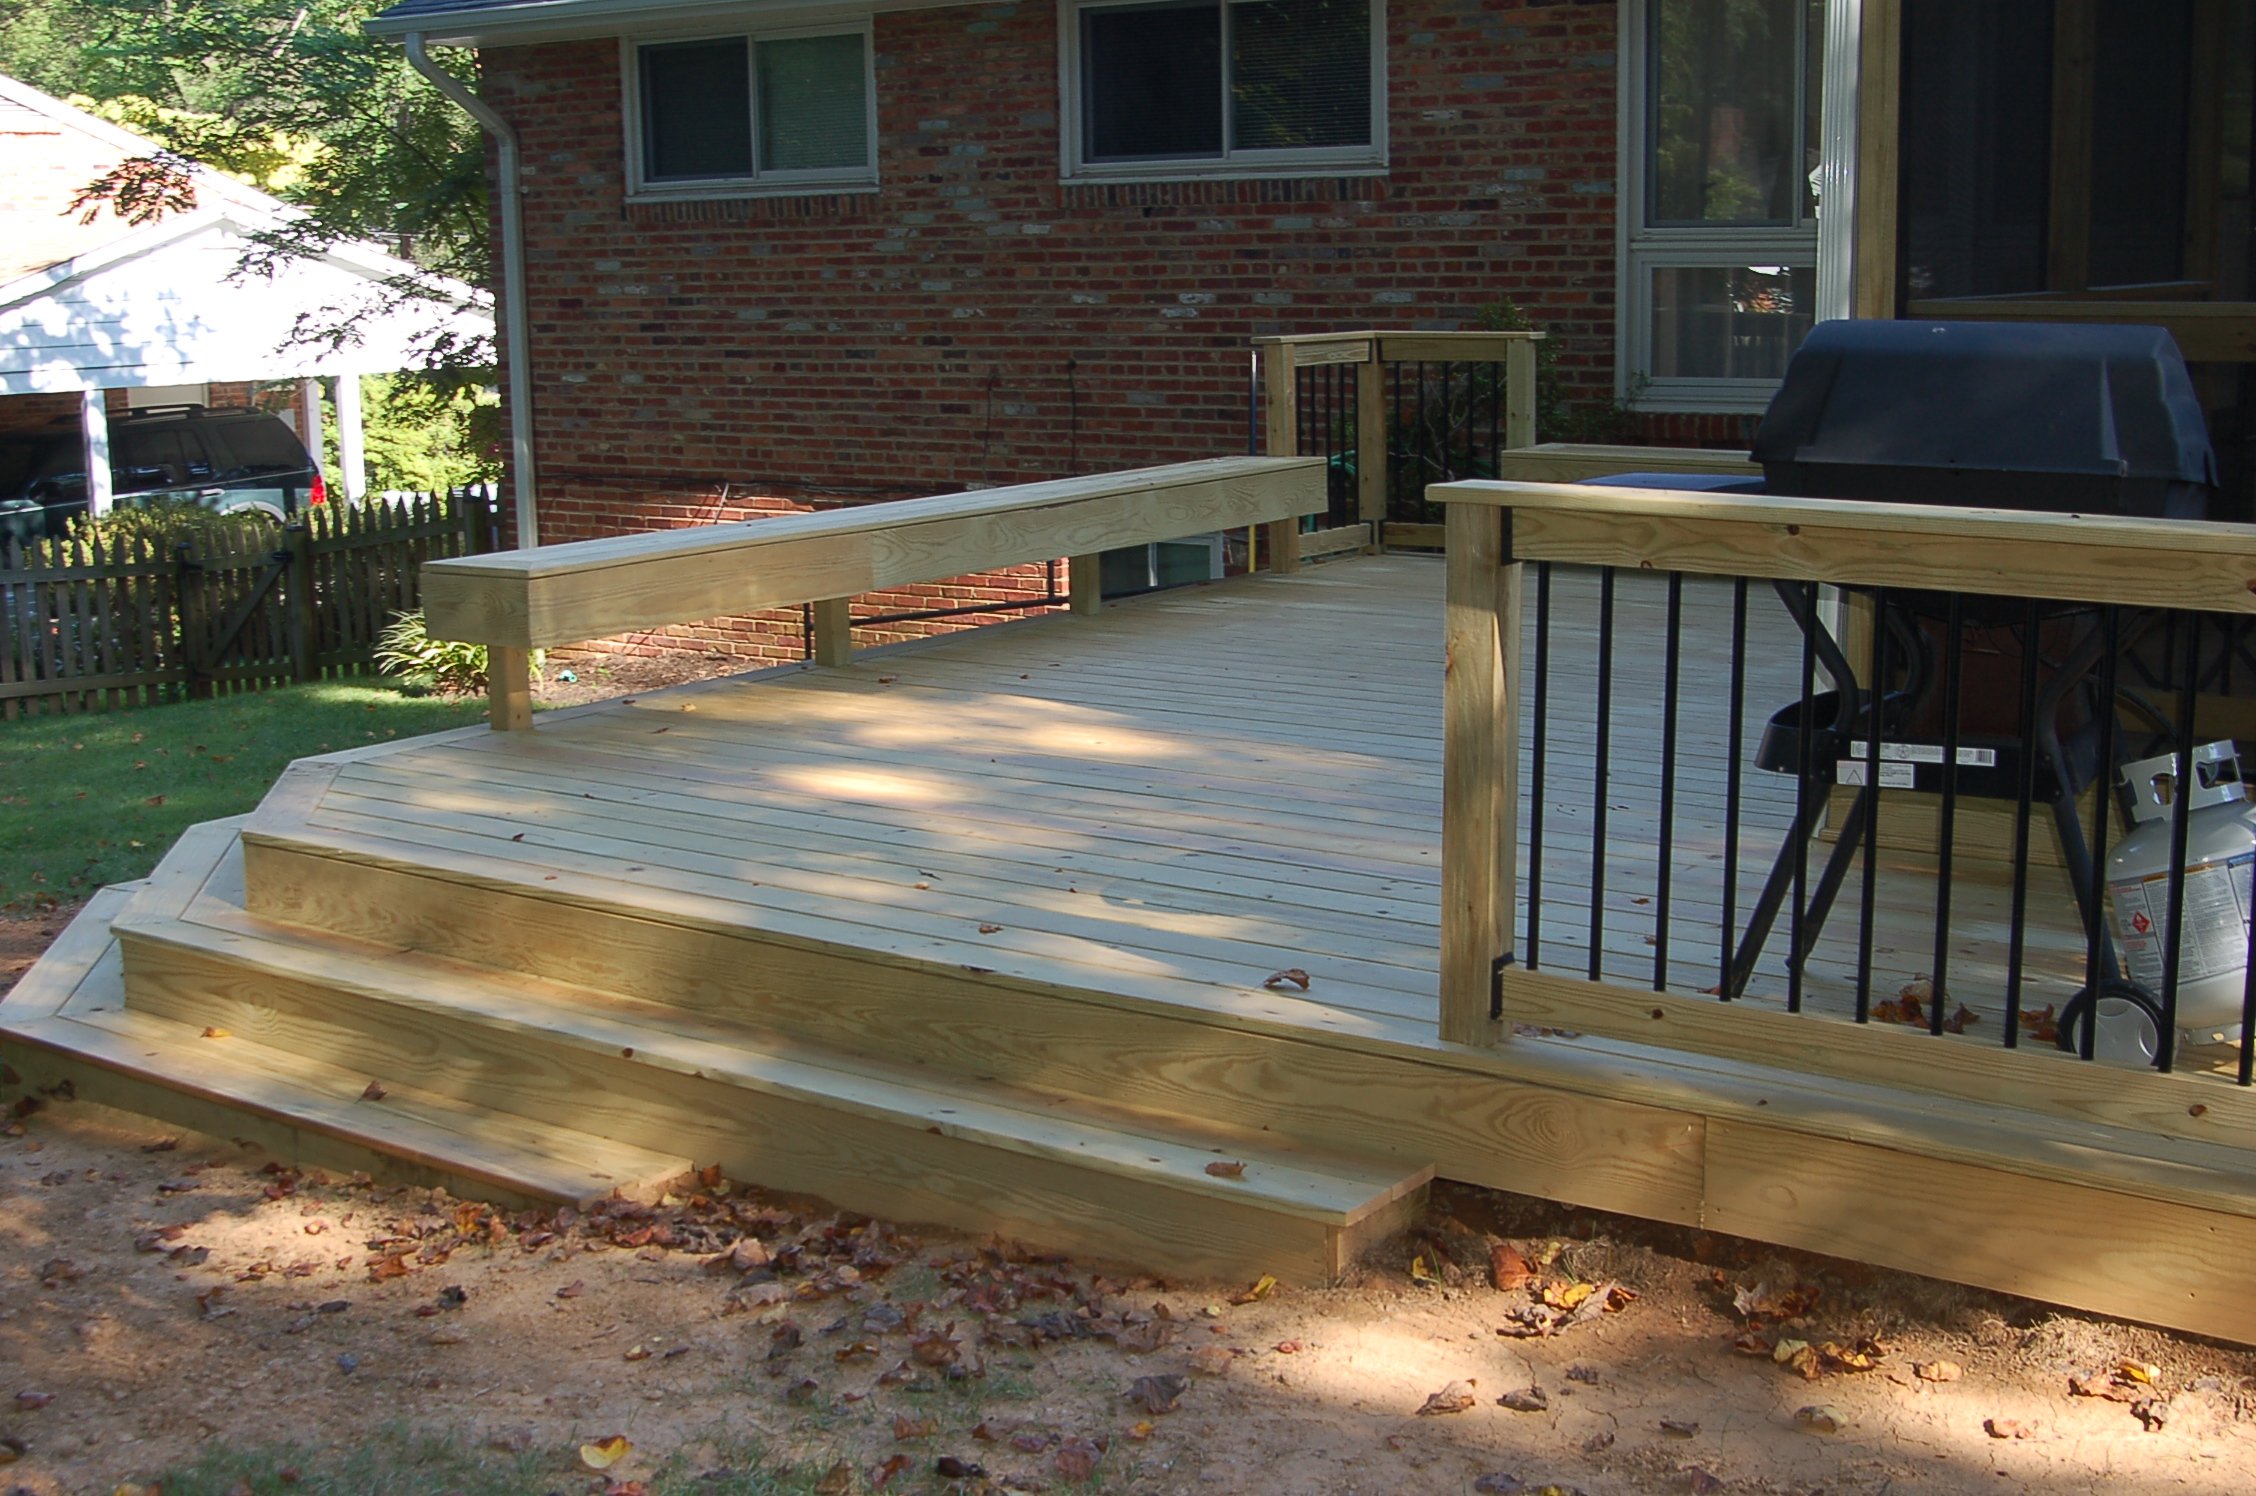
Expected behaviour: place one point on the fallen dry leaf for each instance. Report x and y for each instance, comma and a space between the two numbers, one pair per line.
602, 1454
1679, 1428
905, 1427
1291, 975
373, 1092
1213, 1360
215, 1033
1937, 1371
1076, 1459
1157, 1394
1226, 1169
2008, 1428
1507, 1268
838, 1480
1261, 1289
1525, 1400
1454, 1398
1821, 1418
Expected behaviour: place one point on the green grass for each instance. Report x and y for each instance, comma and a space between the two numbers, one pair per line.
94, 799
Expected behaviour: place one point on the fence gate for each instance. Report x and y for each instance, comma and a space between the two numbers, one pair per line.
114, 620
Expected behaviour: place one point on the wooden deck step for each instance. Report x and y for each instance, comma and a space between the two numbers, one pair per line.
914, 1142
75, 1026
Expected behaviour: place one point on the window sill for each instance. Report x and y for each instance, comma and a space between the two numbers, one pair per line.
1693, 397
645, 196
1226, 171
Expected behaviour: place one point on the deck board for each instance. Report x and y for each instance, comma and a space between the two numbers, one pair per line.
1191, 791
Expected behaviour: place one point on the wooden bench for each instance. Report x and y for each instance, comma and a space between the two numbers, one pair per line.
514, 602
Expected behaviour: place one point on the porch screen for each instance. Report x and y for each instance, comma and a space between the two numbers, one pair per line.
1204, 80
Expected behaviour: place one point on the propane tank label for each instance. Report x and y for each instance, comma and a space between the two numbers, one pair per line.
2216, 921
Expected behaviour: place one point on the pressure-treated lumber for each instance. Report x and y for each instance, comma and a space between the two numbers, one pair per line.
1571, 462
2094, 558
1479, 774
2111, 1253
562, 594
2038, 1079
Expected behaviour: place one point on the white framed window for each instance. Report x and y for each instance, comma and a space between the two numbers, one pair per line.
1718, 252
728, 116
1160, 89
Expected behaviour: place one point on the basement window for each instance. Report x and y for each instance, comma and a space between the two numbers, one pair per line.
1223, 87
725, 116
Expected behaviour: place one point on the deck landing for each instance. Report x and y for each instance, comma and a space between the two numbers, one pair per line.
981, 930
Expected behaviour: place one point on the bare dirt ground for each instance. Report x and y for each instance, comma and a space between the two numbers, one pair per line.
161, 1290
158, 1290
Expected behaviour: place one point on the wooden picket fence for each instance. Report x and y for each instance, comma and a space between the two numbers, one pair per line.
128, 618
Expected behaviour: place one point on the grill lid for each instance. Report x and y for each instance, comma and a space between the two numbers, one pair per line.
2005, 398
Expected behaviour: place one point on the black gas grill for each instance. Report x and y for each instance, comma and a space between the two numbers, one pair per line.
2063, 418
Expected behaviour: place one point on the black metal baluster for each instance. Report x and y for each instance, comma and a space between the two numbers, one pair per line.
2248, 1015
1796, 929
1495, 418
1537, 756
1668, 779
2181, 824
1394, 455
2025, 794
2097, 961
1954, 671
1731, 784
1868, 803
1603, 746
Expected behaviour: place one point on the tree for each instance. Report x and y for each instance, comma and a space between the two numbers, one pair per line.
295, 98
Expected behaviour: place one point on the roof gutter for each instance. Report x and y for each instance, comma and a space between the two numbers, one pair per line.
511, 308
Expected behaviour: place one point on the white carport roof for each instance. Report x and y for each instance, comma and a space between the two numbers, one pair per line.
112, 305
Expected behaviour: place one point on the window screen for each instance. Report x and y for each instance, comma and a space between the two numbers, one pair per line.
814, 109
696, 111
1209, 79
1152, 81
1300, 74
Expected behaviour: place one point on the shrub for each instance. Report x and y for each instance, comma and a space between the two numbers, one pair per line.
447, 666
169, 522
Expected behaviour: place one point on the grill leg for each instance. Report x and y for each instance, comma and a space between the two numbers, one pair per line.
1781, 882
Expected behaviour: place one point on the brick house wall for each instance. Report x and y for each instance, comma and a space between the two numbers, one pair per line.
976, 321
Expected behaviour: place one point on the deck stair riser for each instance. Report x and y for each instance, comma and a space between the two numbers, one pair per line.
905, 1143
975, 1023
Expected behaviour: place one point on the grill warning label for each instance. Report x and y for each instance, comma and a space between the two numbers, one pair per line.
2216, 921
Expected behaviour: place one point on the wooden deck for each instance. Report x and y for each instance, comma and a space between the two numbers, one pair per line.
1018, 895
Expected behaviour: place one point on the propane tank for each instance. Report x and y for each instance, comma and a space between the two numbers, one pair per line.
2220, 855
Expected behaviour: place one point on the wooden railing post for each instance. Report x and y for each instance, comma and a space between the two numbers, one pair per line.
1084, 584
1280, 437
509, 689
1371, 444
1519, 393
1479, 767
834, 631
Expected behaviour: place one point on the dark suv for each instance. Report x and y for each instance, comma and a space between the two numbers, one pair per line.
232, 461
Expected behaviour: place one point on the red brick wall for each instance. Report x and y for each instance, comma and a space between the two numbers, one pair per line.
36, 412
978, 322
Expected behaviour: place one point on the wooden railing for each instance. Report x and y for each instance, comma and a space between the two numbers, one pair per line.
1328, 394
1496, 530
515, 602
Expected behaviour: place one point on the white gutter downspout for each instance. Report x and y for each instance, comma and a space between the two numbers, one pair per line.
512, 305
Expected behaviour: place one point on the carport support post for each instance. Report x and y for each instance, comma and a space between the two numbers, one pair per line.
94, 426
352, 454
309, 417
